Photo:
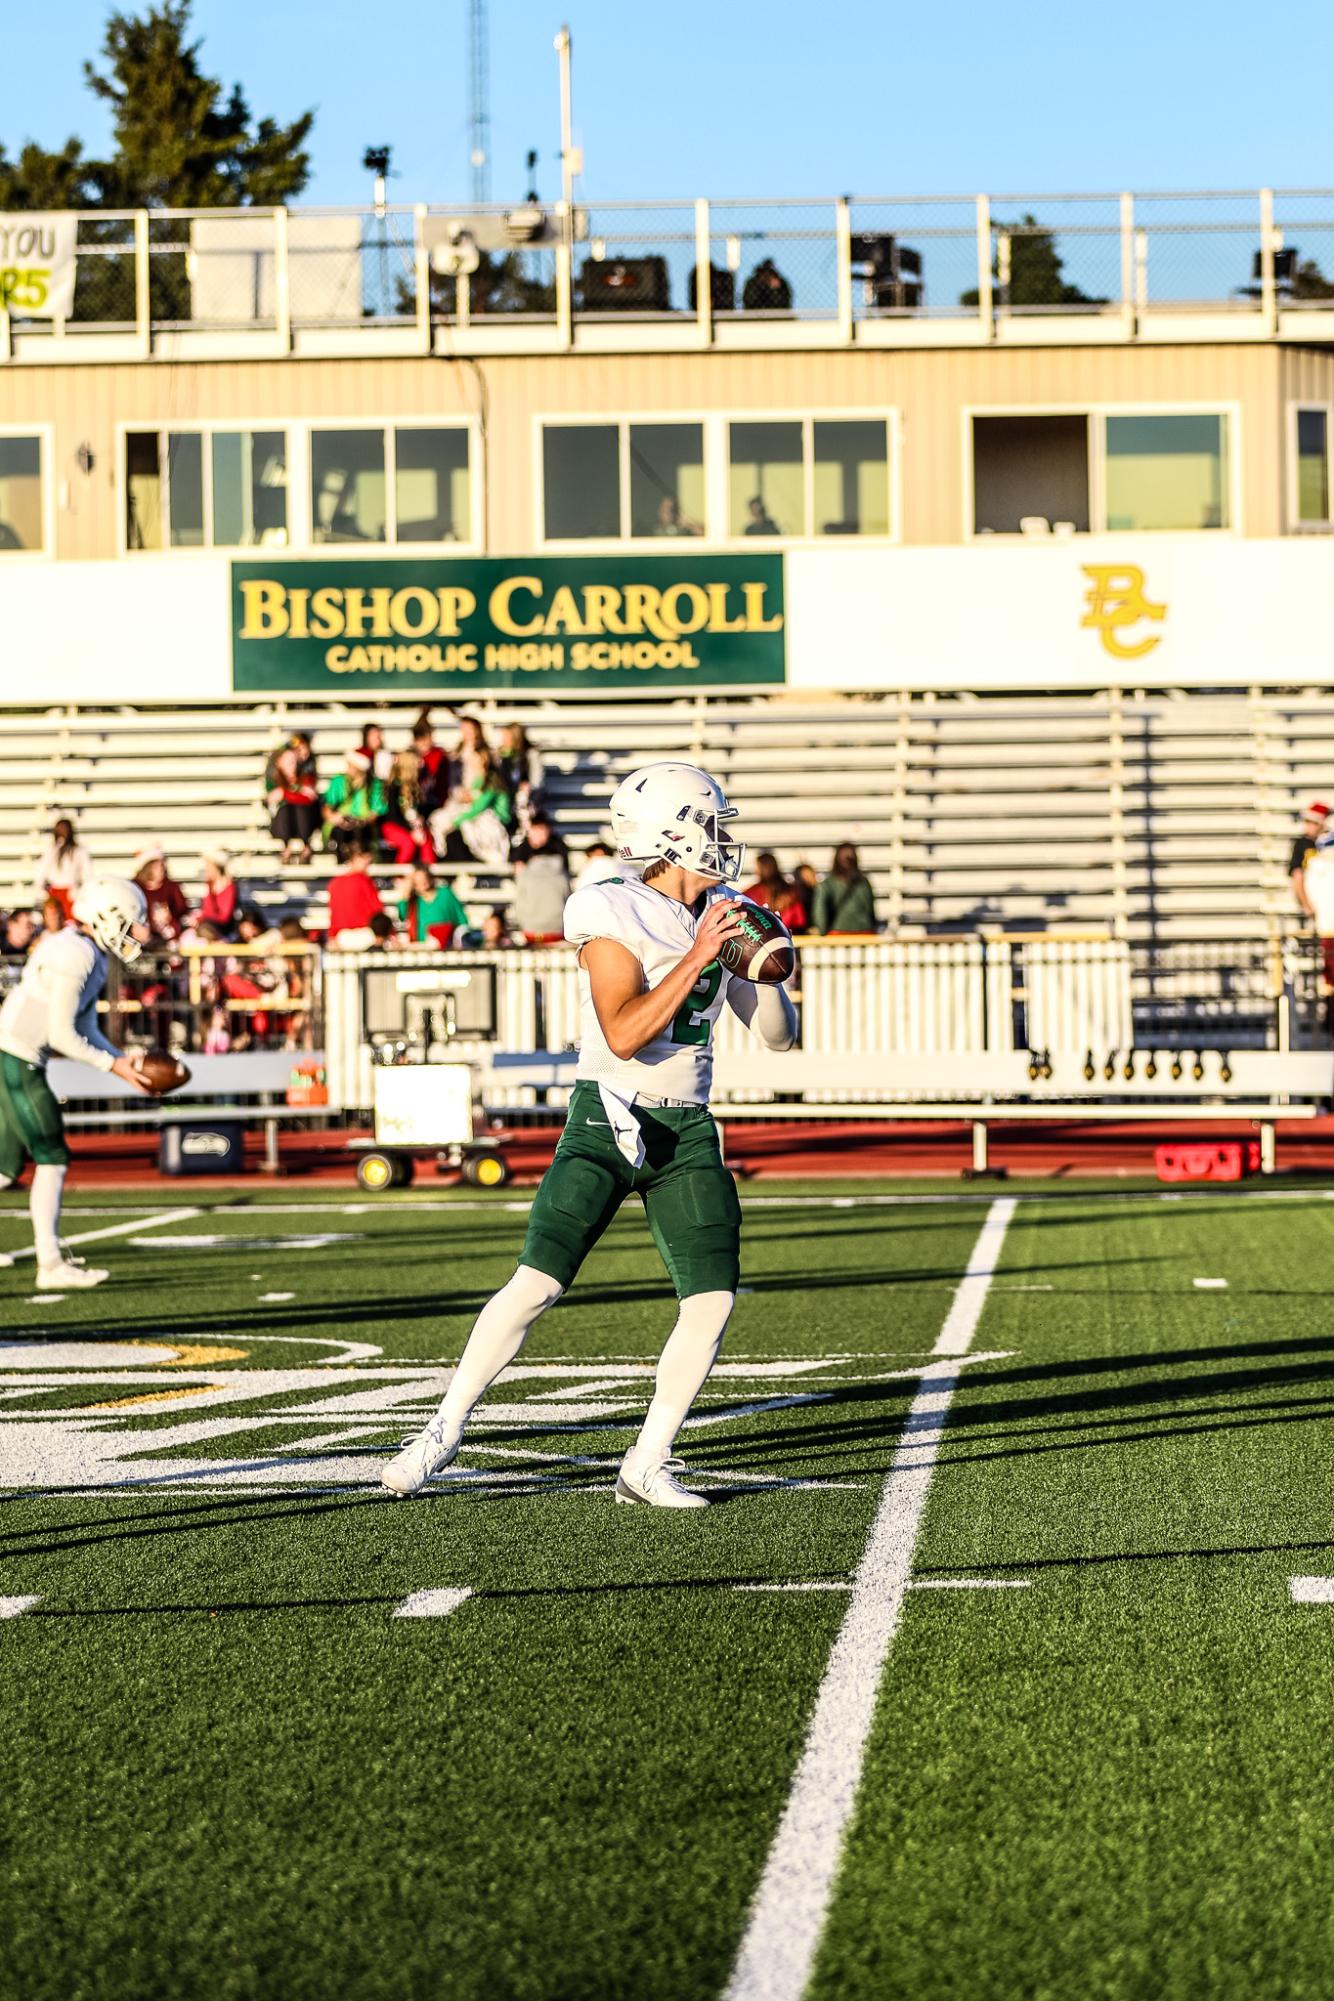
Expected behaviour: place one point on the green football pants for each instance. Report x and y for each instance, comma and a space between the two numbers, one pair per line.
689, 1197
31, 1125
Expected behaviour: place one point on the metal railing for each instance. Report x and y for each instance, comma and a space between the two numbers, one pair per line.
848, 263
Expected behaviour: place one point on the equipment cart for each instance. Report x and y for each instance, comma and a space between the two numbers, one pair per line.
425, 1109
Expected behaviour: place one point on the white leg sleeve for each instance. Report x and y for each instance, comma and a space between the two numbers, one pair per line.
48, 1191
499, 1332
691, 1351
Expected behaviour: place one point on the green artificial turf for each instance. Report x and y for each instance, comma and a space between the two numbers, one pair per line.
230, 1771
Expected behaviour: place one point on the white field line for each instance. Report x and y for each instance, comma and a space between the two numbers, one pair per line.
14, 1608
1311, 1590
1209, 1284
788, 1913
814, 1584
970, 1584
117, 1230
432, 1604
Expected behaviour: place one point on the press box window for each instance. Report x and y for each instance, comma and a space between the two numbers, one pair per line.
1313, 482
1167, 471
581, 482
1030, 474
609, 481
21, 513
409, 484
815, 476
205, 489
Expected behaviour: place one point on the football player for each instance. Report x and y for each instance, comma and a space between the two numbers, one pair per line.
53, 1012
651, 991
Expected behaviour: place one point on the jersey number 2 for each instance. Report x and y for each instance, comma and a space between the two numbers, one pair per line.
687, 1024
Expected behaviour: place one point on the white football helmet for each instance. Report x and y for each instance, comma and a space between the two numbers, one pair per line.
109, 906
675, 813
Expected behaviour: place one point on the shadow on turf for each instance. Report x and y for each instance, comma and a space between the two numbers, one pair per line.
375, 1310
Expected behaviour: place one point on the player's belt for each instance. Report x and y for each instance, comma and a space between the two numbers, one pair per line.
666, 1104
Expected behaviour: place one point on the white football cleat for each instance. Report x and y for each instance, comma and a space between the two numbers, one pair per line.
70, 1275
653, 1485
421, 1456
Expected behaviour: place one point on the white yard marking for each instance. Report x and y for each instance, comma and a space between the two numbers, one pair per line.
432, 1604
274, 1298
120, 1229
1209, 1284
970, 1584
14, 1608
97, 1356
221, 1240
788, 1913
1311, 1590
816, 1584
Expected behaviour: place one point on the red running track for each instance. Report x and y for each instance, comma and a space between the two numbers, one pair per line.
800, 1149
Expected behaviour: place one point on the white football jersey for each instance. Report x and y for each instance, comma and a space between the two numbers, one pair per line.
53, 1009
659, 931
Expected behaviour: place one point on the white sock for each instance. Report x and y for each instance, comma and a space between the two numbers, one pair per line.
691, 1351
48, 1192
498, 1333
6, 1181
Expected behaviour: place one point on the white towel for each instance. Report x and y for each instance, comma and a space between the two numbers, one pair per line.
625, 1126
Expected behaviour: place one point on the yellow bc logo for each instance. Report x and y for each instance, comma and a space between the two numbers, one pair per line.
1115, 601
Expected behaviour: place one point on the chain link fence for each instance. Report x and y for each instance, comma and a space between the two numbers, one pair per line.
886, 257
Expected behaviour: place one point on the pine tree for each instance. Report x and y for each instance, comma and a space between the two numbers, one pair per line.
179, 142
1036, 269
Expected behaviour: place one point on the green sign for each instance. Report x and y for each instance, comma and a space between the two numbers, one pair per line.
530, 622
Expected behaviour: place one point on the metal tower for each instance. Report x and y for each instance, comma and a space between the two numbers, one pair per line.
479, 101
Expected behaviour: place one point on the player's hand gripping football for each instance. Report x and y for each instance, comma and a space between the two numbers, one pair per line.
129, 1072
721, 921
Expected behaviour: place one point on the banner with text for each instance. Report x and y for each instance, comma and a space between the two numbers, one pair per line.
37, 265
392, 625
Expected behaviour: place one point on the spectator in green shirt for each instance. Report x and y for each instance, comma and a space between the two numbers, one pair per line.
474, 822
844, 901
354, 804
430, 910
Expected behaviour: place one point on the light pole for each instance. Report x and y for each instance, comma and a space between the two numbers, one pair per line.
376, 161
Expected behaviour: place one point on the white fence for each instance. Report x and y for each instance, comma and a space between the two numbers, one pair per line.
879, 997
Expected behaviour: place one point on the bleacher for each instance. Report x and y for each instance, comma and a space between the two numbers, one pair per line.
1161, 817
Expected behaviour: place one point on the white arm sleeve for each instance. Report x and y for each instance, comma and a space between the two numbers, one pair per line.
83, 1040
766, 1010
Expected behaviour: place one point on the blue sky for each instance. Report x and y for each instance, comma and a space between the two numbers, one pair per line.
750, 97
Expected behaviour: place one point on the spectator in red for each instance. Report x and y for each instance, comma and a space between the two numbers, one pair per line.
353, 897
773, 890
432, 765
64, 867
430, 910
221, 895
291, 789
403, 829
166, 900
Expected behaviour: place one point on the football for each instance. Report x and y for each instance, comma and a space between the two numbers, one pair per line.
763, 950
162, 1072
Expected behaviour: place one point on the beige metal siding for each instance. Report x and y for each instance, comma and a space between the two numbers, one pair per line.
85, 404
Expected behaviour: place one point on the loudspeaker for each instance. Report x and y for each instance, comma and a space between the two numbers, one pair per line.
624, 285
